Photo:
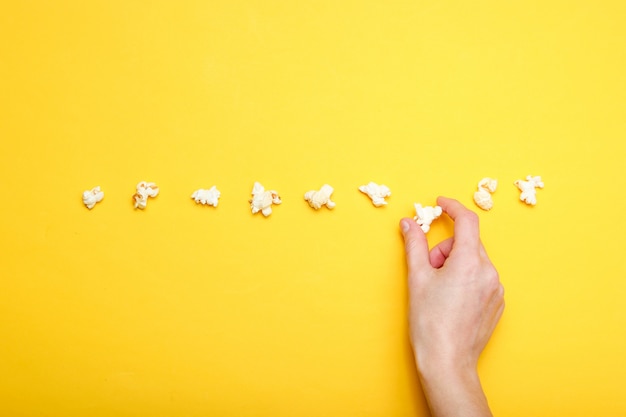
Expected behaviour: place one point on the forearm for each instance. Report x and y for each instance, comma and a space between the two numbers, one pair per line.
453, 392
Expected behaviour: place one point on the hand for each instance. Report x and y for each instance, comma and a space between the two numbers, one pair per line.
455, 302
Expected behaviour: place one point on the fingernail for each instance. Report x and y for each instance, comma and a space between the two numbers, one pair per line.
404, 225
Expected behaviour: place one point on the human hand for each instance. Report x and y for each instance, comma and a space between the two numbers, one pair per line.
455, 302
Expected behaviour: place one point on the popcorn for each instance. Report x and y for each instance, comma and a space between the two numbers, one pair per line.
376, 192
482, 197
208, 197
93, 196
425, 215
145, 190
262, 200
528, 189
317, 199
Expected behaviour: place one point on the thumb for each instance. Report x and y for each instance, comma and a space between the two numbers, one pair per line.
415, 245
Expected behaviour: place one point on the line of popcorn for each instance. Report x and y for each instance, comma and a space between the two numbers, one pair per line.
487, 186
262, 199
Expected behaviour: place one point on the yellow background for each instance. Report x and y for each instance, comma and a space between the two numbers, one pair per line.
185, 310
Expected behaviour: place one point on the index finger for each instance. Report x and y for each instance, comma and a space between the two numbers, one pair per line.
466, 230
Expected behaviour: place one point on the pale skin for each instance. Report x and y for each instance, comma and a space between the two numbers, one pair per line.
455, 301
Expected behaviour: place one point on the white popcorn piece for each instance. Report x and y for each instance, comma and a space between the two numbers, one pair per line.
482, 197
93, 196
528, 189
208, 197
317, 199
145, 190
425, 215
262, 200
376, 193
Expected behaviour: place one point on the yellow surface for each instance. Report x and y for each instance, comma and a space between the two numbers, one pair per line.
184, 310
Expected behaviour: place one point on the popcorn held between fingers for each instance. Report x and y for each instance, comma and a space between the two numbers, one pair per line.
317, 199
528, 189
208, 197
93, 196
262, 200
376, 193
145, 190
482, 197
425, 215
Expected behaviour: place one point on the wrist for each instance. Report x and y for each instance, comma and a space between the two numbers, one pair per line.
452, 388
438, 363
447, 372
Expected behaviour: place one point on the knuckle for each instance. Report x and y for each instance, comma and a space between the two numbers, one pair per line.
499, 292
493, 278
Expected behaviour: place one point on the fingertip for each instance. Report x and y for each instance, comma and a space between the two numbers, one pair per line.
452, 206
405, 225
445, 202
